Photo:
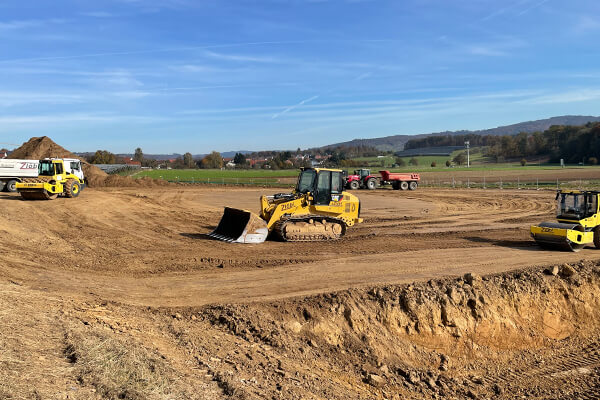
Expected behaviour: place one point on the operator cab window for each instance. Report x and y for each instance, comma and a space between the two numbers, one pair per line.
306, 181
75, 165
46, 169
337, 182
324, 188
59, 168
577, 206
592, 204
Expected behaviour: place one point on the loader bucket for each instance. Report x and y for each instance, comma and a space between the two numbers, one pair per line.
240, 226
559, 236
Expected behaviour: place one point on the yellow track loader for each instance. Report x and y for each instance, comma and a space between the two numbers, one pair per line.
56, 177
318, 209
578, 222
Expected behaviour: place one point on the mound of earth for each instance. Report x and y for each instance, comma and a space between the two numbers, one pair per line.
38, 148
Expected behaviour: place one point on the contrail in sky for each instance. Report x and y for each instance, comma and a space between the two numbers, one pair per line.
290, 108
305, 101
533, 6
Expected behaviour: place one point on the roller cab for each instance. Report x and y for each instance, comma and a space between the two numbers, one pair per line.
578, 222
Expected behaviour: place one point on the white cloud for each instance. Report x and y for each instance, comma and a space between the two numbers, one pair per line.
570, 96
586, 24
486, 51
14, 25
242, 58
98, 14
75, 117
28, 23
13, 98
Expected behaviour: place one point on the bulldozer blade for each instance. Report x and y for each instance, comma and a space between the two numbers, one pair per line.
240, 226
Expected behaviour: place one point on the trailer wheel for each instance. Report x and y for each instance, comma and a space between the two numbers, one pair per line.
11, 186
396, 185
371, 184
403, 185
2, 185
597, 237
412, 185
354, 185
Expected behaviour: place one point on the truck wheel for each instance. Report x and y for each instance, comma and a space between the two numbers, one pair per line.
412, 185
403, 185
396, 185
371, 184
597, 237
354, 185
11, 186
2, 185
72, 188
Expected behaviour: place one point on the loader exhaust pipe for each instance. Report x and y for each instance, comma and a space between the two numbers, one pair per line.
240, 226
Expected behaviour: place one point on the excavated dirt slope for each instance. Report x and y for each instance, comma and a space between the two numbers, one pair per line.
439, 294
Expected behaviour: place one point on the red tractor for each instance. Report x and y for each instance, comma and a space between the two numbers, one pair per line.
362, 179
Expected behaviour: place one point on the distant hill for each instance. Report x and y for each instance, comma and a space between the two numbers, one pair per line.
397, 142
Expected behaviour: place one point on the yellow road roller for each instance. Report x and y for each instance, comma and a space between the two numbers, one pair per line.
578, 222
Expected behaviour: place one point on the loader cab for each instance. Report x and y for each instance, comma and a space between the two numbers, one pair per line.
323, 184
575, 206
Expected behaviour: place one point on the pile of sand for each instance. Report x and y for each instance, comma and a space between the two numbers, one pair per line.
38, 148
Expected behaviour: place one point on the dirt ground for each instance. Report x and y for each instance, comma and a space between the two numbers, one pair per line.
120, 294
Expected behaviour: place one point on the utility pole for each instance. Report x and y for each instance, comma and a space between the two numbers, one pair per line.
468, 155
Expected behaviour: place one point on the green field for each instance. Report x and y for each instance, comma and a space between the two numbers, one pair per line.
261, 177
217, 175
424, 162
203, 174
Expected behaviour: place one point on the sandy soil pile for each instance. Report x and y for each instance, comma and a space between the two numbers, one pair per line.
38, 148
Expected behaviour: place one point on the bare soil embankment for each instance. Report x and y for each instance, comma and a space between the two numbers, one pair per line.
120, 294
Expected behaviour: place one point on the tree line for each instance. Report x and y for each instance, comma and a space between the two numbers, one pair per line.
573, 144
272, 159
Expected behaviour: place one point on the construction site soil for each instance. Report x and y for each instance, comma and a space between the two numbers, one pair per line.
120, 294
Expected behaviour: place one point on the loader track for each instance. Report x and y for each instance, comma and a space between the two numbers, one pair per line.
309, 228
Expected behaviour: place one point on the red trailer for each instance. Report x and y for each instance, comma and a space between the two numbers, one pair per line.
400, 180
362, 179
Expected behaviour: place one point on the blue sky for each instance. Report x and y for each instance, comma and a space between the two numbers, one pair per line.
182, 75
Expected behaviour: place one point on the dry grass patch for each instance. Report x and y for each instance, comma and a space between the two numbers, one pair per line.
118, 368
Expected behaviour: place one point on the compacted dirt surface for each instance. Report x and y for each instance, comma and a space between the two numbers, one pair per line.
119, 293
